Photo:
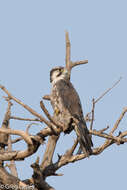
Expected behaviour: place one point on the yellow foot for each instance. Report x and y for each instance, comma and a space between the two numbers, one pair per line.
56, 111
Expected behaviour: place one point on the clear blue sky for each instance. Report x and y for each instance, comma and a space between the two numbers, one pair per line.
32, 41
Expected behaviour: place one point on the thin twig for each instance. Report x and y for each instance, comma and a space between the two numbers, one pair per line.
72, 149
24, 119
102, 130
108, 136
92, 120
46, 97
118, 121
28, 127
98, 99
16, 140
77, 63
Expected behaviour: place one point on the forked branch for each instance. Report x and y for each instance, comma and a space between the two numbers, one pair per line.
70, 64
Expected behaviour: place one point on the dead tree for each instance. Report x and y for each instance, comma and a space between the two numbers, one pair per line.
52, 131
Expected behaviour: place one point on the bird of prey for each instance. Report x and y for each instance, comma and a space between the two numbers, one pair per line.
67, 107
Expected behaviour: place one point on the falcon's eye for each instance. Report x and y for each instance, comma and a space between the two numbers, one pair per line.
59, 73
61, 70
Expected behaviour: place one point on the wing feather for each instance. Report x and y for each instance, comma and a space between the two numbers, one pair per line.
70, 99
70, 102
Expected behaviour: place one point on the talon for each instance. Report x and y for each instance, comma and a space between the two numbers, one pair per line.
57, 111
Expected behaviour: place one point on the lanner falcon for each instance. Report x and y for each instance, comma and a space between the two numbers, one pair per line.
67, 107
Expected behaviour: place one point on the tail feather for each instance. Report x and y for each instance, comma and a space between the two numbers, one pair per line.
84, 137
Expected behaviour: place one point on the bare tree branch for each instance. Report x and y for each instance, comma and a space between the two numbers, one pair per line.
69, 63
68, 51
16, 140
10, 181
87, 117
46, 97
50, 148
109, 89
30, 125
68, 157
33, 112
12, 165
5, 125
17, 155
119, 120
24, 119
92, 120
38, 178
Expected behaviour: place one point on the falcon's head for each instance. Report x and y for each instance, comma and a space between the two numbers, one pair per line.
59, 73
